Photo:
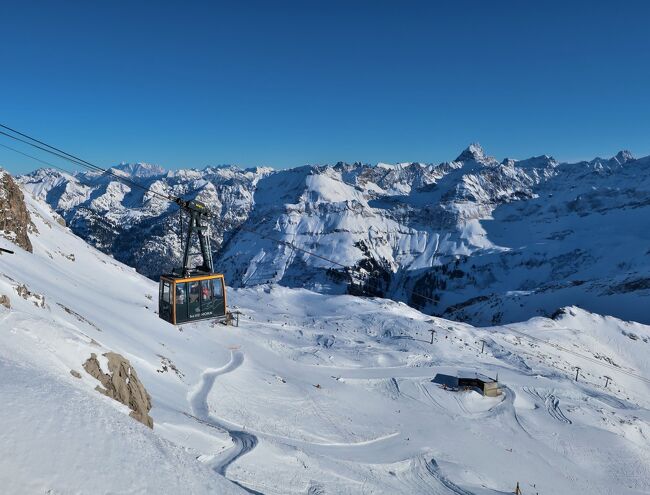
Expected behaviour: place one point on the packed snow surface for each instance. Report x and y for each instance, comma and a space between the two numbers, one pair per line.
311, 393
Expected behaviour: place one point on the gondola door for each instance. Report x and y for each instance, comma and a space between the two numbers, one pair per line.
181, 302
219, 296
165, 302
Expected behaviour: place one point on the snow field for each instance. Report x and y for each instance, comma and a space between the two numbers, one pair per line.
311, 393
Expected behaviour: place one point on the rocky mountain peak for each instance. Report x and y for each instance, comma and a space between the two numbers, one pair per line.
473, 152
624, 156
140, 169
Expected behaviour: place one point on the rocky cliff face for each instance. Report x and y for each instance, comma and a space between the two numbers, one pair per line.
15, 222
473, 239
122, 384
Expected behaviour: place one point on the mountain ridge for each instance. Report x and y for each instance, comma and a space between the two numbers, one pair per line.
483, 241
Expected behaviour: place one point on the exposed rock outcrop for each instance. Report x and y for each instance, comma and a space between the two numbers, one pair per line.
122, 384
28, 295
15, 222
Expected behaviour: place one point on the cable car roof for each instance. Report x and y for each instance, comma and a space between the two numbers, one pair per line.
192, 277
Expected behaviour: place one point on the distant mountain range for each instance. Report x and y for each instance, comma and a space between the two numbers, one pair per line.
474, 239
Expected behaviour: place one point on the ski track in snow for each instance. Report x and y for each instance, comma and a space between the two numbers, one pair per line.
243, 441
510, 396
551, 402
434, 470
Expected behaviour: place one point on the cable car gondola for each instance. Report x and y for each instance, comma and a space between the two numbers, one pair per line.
191, 294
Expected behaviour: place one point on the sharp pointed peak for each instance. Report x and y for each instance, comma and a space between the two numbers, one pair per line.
473, 152
624, 156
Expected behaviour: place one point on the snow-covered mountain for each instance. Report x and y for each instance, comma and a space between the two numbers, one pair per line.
312, 393
144, 170
137, 227
473, 239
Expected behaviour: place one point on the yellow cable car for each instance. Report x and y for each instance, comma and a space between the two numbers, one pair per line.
192, 294
194, 298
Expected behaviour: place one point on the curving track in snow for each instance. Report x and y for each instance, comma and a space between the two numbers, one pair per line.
424, 475
551, 403
243, 442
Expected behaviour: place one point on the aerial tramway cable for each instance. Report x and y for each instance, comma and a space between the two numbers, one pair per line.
72, 159
49, 164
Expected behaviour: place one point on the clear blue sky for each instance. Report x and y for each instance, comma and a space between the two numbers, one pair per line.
187, 84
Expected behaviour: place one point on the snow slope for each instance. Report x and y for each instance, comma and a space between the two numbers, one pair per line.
59, 435
57, 439
312, 393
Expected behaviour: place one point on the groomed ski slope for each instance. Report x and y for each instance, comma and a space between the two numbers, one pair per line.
310, 394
